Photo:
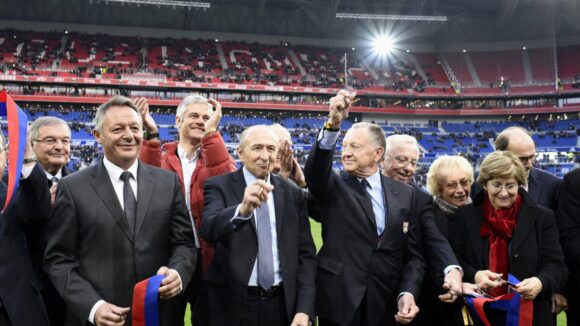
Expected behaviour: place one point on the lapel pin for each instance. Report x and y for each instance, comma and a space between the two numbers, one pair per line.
405, 227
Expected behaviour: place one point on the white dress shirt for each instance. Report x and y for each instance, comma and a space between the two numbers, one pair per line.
375, 191
187, 167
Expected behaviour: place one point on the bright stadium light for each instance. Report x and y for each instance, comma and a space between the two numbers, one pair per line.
172, 3
345, 15
383, 45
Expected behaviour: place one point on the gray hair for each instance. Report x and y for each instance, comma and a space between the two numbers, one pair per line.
116, 100
189, 100
244, 135
402, 139
376, 132
42, 122
281, 132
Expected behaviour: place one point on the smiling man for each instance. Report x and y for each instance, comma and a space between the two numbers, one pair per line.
370, 265
117, 223
50, 138
263, 269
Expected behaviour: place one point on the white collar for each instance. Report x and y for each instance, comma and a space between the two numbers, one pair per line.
115, 171
250, 178
373, 180
58, 174
183, 155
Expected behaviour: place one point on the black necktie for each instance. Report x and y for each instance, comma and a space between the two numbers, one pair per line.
129, 200
52, 181
365, 184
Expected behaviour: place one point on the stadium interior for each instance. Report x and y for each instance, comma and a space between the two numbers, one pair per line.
453, 84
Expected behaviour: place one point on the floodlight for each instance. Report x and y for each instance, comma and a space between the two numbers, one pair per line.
173, 3
346, 15
383, 45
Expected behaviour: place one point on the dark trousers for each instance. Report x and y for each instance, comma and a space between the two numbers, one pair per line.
263, 309
4, 321
573, 312
359, 319
192, 295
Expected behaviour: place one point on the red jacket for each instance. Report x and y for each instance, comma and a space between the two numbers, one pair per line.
213, 160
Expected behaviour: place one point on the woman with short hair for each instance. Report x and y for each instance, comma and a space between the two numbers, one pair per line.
505, 232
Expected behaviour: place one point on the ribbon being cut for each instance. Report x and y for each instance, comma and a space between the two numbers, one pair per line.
17, 127
519, 312
145, 309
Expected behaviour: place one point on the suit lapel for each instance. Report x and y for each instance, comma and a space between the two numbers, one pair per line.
362, 198
526, 220
101, 183
278, 202
392, 207
145, 187
533, 186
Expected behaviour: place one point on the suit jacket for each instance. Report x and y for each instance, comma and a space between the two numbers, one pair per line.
20, 287
431, 307
437, 250
352, 263
213, 160
534, 249
544, 188
569, 225
236, 248
92, 254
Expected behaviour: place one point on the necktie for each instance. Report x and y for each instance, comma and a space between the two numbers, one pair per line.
365, 184
129, 200
265, 256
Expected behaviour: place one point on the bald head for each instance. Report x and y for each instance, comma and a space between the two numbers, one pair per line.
281, 132
518, 141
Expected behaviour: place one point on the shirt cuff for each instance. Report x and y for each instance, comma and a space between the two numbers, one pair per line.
236, 220
403, 293
179, 277
94, 311
450, 267
26, 170
327, 139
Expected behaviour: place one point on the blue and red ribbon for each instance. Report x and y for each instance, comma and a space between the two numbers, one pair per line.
519, 312
145, 309
17, 127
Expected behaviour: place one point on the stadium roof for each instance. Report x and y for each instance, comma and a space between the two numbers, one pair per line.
468, 20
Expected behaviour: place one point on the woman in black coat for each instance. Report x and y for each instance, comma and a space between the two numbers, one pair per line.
449, 180
504, 231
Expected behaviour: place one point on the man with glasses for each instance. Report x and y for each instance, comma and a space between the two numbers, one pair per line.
400, 163
50, 138
543, 187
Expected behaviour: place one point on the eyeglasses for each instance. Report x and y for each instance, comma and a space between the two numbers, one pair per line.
404, 160
508, 187
464, 183
531, 158
52, 141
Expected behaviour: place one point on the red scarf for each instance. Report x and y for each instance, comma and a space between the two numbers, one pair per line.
499, 225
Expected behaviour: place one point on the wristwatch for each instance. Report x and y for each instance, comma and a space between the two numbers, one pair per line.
150, 135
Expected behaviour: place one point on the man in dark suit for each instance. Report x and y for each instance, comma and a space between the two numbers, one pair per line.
20, 302
569, 227
263, 268
117, 223
50, 138
370, 266
401, 159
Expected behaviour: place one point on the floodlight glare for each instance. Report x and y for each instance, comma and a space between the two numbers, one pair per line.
347, 15
173, 3
383, 45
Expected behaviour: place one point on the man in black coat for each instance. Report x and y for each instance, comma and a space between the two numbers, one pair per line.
401, 159
117, 223
50, 138
569, 227
264, 267
370, 266
20, 299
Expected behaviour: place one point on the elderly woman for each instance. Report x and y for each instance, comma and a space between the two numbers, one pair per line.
449, 180
504, 231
